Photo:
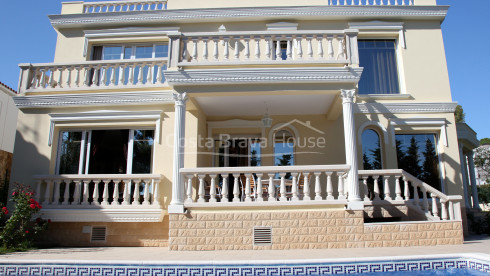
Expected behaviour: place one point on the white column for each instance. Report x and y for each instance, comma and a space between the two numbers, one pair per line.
471, 165
464, 176
351, 146
177, 204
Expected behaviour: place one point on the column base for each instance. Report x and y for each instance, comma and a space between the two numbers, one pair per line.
355, 205
176, 209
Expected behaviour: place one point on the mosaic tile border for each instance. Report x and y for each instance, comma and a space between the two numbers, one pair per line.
243, 269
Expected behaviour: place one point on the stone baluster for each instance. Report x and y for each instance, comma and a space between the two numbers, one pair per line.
294, 187
366, 189
410, 2
387, 191
160, 76
95, 193
105, 193
257, 48
103, 78
236, 188
309, 50
236, 53
188, 198
42, 80
122, 69
34, 81
289, 50
224, 188
212, 188
201, 190
226, 52
247, 187
268, 48
341, 51
215, 49
341, 187
147, 199
136, 192
376, 187
299, 48
425, 201
127, 193
140, 73
204, 49
278, 50
396, 3
77, 75
95, 77
59, 82
86, 76
330, 51
112, 78
416, 198
51, 77
150, 74
131, 71
258, 188
69, 70
271, 188
194, 50
451, 210
76, 192
318, 187
319, 50
306, 186
282, 187
435, 211
37, 194
329, 186
398, 190
66, 194
47, 192
443, 210
247, 48
406, 189
115, 193
156, 191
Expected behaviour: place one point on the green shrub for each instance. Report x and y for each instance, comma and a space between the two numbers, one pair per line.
484, 194
18, 231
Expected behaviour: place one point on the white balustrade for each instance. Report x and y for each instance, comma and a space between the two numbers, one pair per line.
441, 206
266, 183
85, 191
124, 6
370, 2
95, 74
264, 47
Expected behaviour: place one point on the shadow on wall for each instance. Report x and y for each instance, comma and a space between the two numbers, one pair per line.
27, 161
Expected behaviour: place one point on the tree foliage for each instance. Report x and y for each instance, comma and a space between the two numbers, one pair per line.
482, 161
485, 141
459, 115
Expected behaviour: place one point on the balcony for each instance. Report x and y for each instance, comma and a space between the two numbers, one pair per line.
93, 75
107, 197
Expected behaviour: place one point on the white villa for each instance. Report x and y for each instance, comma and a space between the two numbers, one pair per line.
225, 125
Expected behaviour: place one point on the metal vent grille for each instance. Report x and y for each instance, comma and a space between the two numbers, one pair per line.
262, 235
98, 234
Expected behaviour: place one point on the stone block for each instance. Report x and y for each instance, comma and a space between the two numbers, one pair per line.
346, 237
243, 232
173, 232
369, 237
242, 216
427, 227
353, 214
187, 247
214, 224
198, 224
242, 247
382, 236
247, 240
205, 216
206, 232
335, 214
224, 216
317, 245
390, 228
280, 246
178, 241
279, 215
261, 216
299, 231
442, 226
298, 246
371, 244
289, 223
326, 222
298, 215
205, 247
400, 236
317, 230
418, 235
215, 240
308, 222
354, 230
233, 224
457, 225
308, 238
408, 227
327, 238
388, 243
372, 228
427, 242
443, 241
196, 241
360, 237
336, 230
337, 245
173, 247
435, 234
233, 240
355, 244
280, 231
406, 243
452, 233
224, 232
223, 247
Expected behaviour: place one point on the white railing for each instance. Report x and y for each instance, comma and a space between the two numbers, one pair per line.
378, 185
370, 2
265, 47
267, 183
93, 74
106, 190
124, 6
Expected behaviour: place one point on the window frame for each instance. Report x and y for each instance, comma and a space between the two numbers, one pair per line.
381, 143
133, 49
84, 159
398, 63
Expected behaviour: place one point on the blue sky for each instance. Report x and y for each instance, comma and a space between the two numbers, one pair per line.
27, 36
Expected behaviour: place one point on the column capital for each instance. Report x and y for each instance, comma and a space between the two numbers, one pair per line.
180, 98
347, 95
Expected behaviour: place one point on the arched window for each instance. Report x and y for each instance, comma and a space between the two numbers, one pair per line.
371, 150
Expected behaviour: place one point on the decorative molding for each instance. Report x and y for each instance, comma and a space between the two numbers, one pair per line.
409, 107
465, 132
249, 13
93, 99
264, 75
384, 96
347, 96
153, 214
105, 116
381, 26
421, 122
127, 32
282, 26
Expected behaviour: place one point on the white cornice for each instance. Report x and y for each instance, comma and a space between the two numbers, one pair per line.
93, 99
397, 123
154, 214
264, 75
409, 107
250, 13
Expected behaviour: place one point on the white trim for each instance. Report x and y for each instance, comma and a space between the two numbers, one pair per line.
106, 214
381, 26
367, 124
282, 26
105, 116
384, 96
380, 108
422, 122
129, 164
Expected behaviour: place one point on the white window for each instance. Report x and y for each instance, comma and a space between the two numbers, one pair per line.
113, 151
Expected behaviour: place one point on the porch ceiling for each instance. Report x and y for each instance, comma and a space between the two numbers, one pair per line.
253, 105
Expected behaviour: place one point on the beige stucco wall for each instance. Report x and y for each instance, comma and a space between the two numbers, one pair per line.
8, 120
